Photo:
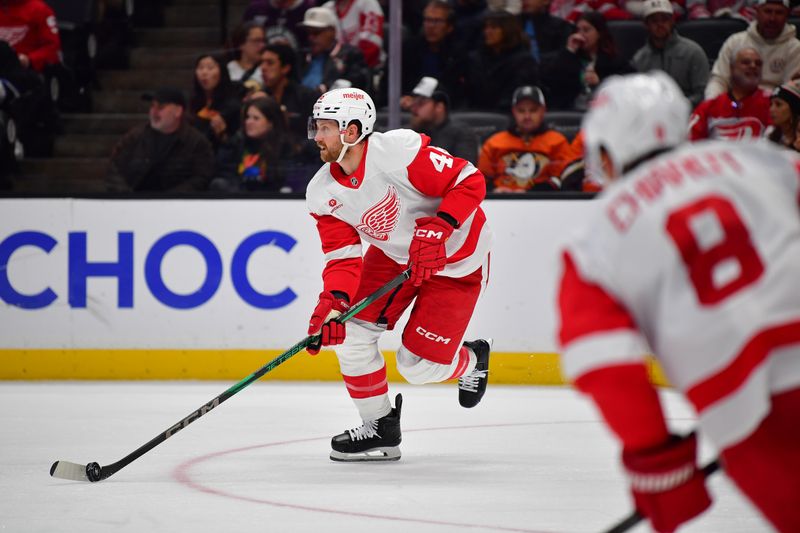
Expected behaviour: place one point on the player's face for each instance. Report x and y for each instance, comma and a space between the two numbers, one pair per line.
256, 125
528, 116
780, 112
328, 140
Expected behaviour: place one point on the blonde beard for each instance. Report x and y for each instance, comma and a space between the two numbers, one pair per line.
329, 156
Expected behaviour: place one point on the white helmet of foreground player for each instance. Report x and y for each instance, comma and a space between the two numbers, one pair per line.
344, 106
631, 117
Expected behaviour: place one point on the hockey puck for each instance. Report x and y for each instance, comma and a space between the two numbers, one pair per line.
93, 472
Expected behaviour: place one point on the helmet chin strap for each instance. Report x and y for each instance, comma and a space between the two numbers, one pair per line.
346, 145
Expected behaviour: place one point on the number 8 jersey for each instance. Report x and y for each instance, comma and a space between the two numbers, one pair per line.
693, 257
400, 179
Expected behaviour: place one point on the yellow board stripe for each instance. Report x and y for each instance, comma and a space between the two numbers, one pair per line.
232, 365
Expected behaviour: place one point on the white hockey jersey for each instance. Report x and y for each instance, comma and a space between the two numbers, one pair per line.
361, 24
400, 179
694, 257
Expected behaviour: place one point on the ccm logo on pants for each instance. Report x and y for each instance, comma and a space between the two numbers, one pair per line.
432, 336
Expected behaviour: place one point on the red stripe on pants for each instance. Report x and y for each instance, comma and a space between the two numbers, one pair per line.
368, 385
766, 465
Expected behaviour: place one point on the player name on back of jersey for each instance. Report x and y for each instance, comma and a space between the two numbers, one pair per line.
647, 187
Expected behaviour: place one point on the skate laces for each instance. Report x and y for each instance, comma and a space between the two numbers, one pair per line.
469, 383
365, 431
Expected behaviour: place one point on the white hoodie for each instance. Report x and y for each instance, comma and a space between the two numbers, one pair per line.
781, 57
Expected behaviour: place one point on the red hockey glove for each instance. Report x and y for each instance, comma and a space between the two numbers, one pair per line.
323, 321
666, 484
427, 254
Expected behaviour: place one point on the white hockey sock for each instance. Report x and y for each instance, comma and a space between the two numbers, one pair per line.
373, 408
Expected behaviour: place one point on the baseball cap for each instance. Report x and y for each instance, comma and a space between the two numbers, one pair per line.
527, 92
319, 17
652, 7
166, 95
790, 93
428, 87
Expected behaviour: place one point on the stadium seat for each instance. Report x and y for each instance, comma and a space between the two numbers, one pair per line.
71, 81
629, 36
710, 34
483, 123
566, 122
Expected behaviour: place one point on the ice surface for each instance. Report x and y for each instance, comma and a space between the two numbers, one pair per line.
533, 459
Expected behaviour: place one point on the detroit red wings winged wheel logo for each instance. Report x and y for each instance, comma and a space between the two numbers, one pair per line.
381, 219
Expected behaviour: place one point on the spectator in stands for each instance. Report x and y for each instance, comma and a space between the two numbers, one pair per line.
572, 10
638, 7
576, 70
214, 105
361, 24
430, 114
29, 26
547, 34
702, 9
468, 15
528, 156
330, 63
784, 110
775, 41
278, 68
248, 42
280, 18
740, 113
163, 155
434, 53
502, 62
254, 159
683, 59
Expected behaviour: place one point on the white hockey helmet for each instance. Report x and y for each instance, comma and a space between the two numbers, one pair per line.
632, 116
344, 106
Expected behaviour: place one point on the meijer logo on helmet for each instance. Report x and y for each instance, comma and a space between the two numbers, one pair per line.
354, 96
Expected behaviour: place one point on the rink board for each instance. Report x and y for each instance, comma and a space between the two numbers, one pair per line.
213, 289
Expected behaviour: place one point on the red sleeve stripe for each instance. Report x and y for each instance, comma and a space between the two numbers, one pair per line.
587, 354
752, 356
465, 197
629, 404
586, 307
368, 385
471, 242
342, 275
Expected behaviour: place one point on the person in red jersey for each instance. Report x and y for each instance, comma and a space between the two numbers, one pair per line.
413, 204
691, 255
29, 26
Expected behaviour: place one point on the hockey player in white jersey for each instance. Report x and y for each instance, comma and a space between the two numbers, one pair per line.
413, 204
692, 256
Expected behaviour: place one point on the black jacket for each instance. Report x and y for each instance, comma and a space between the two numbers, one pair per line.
493, 77
147, 160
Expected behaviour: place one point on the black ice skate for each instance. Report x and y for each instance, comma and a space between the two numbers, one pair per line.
472, 386
375, 440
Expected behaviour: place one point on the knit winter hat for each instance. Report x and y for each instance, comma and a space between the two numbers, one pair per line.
790, 93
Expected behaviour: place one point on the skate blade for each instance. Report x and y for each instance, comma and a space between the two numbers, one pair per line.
391, 453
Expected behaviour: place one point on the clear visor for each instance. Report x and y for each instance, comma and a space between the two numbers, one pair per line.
312, 128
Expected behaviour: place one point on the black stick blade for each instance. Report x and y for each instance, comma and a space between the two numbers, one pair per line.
70, 471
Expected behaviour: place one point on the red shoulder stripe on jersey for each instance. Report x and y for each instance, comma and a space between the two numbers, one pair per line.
586, 308
629, 404
471, 242
755, 352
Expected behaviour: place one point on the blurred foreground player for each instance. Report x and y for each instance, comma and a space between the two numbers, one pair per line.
692, 257
413, 204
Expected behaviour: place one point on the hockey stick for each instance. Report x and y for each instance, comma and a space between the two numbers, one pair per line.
635, 517
95, 472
